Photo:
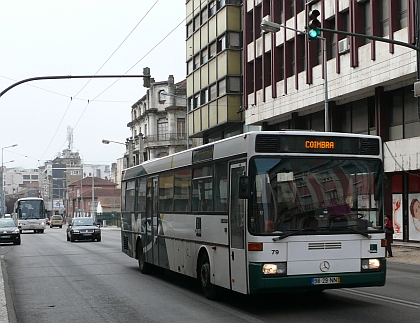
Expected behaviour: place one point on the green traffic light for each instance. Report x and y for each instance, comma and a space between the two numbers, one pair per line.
314, 33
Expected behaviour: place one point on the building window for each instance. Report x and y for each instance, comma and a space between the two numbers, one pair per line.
366, 21
196, 61
196, 101
181, 128
204, 15
234, 84
222, 87
162, 128
212, 50
402, 14
384, 16
221, 44
212, 8
190, 29
197, 22
190, 66
205, 96
204, 56
162, 96
403, 118
213, 92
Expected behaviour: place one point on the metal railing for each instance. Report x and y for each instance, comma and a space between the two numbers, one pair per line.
165, 137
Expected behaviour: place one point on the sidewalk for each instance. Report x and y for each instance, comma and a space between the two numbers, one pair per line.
406, 252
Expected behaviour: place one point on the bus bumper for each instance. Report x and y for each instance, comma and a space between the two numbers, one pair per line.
262, 284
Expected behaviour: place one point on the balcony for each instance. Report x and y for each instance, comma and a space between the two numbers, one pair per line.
167, 139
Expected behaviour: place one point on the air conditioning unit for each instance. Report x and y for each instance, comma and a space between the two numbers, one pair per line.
344, 45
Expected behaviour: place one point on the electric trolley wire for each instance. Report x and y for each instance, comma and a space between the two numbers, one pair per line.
84, 86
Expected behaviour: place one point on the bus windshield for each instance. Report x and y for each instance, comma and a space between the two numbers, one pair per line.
31, 209
315, 194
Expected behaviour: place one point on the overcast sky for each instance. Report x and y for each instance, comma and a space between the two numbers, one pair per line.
81, 37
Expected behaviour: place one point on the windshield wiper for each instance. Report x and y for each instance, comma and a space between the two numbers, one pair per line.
349, 228
293, 233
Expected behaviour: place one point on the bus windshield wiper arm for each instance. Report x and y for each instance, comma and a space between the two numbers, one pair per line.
365, 234
293, 233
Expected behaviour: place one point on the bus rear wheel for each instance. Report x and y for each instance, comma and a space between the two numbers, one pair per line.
204, 274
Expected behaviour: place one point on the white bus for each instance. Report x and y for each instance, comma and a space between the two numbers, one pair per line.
262, 212
30, 214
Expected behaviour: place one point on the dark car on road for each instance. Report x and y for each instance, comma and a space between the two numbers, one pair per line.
9, 232
83, 229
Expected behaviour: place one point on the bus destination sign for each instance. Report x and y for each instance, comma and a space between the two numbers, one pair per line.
316, 144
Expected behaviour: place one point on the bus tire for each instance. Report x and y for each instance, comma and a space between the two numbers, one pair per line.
145, 267
204, 274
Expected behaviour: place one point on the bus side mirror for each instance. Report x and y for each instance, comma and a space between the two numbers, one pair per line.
244, 187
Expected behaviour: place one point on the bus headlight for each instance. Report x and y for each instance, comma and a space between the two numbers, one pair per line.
371, 264
277, 269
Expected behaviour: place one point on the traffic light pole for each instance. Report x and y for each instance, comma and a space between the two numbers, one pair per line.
384, 40
326, 110
59, 77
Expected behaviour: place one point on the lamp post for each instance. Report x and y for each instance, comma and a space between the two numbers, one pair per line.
273, 27
128, 145
186, 114
2, 178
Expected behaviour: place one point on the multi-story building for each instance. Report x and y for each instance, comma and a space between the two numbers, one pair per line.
368, 85
158, 125
92, 195
214, 68
17, 178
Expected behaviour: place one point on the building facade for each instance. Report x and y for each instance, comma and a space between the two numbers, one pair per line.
158, 121
103, 193
214, 68
368, 85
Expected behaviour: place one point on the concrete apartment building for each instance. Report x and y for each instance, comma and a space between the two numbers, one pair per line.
282, 83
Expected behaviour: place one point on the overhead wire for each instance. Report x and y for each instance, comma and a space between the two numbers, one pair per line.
69, 104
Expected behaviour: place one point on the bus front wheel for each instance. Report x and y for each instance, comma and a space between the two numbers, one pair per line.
145, 268
209, 290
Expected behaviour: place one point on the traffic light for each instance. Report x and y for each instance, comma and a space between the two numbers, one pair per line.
313, 25
146, 77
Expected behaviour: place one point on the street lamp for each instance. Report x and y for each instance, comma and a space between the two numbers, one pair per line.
130, 148
2, 178
186, 114
272, 27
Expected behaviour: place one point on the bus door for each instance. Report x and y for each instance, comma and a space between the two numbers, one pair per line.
238, 261
151, 221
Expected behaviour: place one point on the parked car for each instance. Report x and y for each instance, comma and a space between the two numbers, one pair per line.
56, 221
7, 216
83, 229
9, 232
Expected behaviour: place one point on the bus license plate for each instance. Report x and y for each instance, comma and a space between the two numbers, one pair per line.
325, 280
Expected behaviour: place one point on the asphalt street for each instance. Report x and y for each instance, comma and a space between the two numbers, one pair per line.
402, 253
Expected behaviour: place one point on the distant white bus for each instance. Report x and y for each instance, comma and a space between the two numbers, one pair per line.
30, 214
262, 212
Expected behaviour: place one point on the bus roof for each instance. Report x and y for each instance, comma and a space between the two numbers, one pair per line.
233, 146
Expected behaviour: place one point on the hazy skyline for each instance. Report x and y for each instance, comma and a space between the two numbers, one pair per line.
49, 38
